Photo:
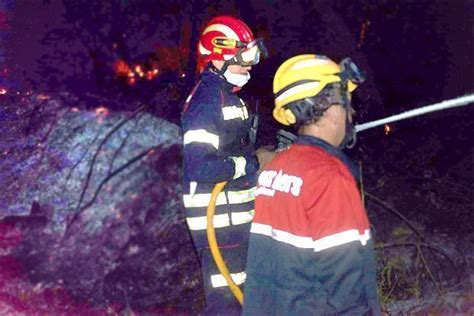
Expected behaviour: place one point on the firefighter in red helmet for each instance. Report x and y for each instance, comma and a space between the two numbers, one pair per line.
216, 124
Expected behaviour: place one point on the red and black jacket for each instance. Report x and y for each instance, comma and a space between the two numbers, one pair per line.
310, 249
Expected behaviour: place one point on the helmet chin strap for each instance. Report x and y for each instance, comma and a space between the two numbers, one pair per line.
237, 80
224, 68
350, 138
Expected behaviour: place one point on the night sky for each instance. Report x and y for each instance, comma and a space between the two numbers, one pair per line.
415, 52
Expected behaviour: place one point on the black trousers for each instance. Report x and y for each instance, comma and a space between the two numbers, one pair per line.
219, 298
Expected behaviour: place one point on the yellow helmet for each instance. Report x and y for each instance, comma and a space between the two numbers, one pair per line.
305, 76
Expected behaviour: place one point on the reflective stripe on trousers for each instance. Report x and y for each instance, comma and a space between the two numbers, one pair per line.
220, 220
229, 197
218, 280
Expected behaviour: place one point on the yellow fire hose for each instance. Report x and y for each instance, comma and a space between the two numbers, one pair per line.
216, 253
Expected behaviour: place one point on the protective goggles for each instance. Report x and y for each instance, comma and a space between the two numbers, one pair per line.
350, 71
248, 54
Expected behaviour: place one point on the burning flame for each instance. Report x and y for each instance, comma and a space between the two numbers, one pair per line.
121, 68
101, 110
387, 129
135, 72
42, 97
139, 71
150, 74
363, 31
131, 80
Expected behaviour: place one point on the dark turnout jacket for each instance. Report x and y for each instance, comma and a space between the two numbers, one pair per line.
216, 124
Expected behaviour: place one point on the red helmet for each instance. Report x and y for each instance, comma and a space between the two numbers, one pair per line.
228, 38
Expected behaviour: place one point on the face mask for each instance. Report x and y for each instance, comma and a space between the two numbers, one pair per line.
238, 80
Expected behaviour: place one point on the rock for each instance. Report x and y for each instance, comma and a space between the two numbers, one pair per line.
97, 197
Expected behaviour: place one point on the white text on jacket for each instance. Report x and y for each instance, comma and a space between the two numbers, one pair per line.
270, 181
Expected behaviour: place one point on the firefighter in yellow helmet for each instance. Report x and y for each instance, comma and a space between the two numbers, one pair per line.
308, 83
310, 249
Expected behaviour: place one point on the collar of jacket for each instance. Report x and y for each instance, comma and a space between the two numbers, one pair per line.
210, 75
333, 151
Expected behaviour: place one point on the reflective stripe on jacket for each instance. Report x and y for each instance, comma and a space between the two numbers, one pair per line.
216, 125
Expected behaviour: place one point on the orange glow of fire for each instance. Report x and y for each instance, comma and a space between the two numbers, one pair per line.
387, 129
139, 71
43, 97
151, 74
121, 68
135, 71
131, 81
101, 110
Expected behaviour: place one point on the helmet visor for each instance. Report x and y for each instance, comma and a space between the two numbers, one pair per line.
249, 55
